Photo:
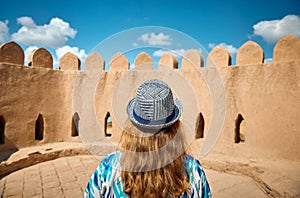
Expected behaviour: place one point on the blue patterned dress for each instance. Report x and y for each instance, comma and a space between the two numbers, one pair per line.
106, 180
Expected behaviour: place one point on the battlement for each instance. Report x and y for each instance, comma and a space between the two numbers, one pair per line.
262, 99
286, 49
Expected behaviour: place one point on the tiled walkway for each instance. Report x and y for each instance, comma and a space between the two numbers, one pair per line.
68, 176
63, 177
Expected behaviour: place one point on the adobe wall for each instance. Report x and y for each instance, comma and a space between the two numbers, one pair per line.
265, 95
27, 92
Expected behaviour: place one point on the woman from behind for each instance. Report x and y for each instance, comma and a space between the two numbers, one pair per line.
152, 161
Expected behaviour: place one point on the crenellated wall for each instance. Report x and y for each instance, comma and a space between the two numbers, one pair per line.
262, 99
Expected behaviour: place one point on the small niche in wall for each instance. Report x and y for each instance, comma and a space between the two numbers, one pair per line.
2, 130
108, 125
239, 133
75, 125
199, 127
39, 127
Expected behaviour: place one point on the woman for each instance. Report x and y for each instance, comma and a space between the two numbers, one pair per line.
152, 161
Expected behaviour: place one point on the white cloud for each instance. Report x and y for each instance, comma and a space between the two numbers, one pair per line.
4, 31
28, 51
135, 44
272, 31
54, 34
176, 52
268, 60
80, 53
156, 39
211, 45
26, 21
230, 48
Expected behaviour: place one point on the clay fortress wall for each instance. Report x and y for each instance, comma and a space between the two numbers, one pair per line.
262, 107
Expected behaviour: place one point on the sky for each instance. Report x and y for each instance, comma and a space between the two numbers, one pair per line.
130, 27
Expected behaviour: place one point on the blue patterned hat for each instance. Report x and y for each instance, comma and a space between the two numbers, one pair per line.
153, 106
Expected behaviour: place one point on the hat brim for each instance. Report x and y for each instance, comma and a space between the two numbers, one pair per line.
177, 112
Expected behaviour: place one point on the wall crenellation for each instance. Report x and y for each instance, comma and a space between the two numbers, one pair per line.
249, 53
40, 58
36, 101
69, 61
219, 57
94, 62
191, 60
11, 53
143, 61
119, 62
287, 49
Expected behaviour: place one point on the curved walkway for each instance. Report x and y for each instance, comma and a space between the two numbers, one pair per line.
68, 176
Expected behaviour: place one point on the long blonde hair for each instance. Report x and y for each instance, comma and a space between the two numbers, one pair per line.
160, 174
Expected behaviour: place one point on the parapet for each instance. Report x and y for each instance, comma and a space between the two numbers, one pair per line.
55, 88
168, 60
143, 61
219, 57
250, 53
69, 62
119, 62
192, 59
11, 53
40, 58
287, 49
94, 62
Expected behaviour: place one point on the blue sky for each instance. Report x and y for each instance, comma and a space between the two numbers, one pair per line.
79, 26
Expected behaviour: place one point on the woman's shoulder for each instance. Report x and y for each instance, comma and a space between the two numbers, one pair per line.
191, 160
109, 161
110, 157
192, 164
197, 177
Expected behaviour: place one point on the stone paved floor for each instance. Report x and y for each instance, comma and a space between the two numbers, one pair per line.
229, 185
68, 176
63, 177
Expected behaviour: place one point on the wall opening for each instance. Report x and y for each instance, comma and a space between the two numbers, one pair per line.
239, 130
108, 125
199, 127
2, 130
75, 125
39, 128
